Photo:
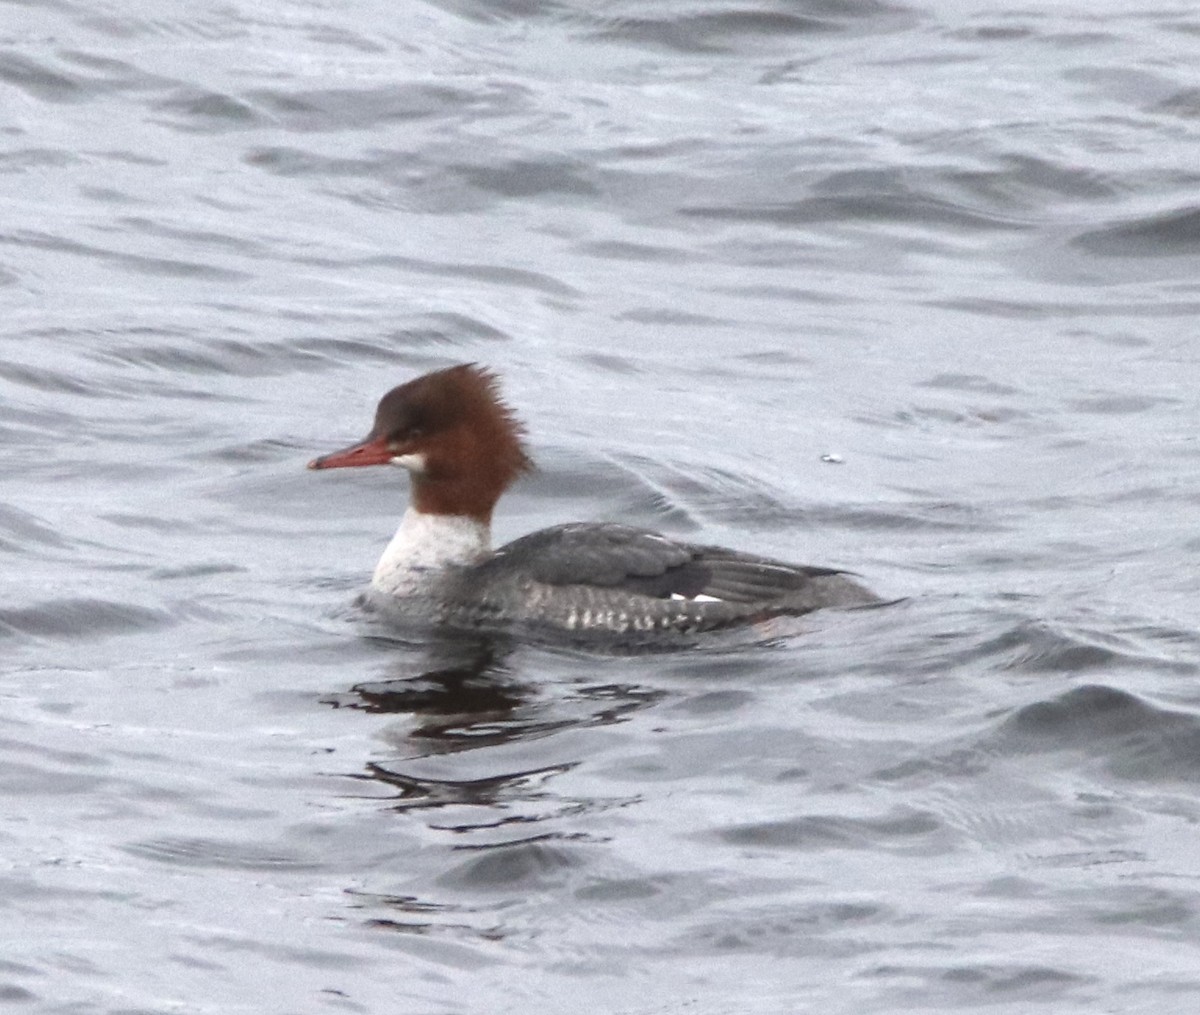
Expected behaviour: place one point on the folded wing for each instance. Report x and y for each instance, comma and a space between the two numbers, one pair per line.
621, 557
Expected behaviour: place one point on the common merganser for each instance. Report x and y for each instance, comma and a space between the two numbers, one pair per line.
463, 446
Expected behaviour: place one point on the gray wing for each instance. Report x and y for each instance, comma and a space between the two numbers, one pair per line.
621, 557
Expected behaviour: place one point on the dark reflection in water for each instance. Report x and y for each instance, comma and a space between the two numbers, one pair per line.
468, 699
454, 677
417, 916
416, 792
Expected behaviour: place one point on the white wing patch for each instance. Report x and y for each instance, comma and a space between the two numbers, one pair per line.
695, 599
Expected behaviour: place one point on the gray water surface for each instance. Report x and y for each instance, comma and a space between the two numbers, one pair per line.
910, 290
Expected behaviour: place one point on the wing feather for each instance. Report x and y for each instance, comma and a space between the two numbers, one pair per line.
643, 562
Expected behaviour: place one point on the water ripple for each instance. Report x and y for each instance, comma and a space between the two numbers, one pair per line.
141, 263
209, 853
722, 31
82, 619
903, 830
1168, 234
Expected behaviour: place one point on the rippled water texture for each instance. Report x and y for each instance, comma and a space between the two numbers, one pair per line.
910, 290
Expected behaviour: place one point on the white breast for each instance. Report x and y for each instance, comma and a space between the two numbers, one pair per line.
424, 545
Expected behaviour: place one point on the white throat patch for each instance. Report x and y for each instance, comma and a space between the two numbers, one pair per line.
413, 462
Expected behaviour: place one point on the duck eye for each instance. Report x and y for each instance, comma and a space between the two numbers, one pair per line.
405, 434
